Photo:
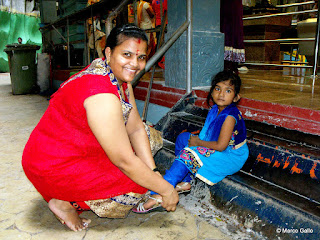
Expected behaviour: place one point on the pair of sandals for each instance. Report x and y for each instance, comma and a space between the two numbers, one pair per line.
157, 207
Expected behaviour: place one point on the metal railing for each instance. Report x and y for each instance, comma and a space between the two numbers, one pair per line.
295, 4
159, 43
279, 14
187, 25
316, 50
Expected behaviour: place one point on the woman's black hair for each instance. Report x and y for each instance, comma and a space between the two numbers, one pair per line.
224, 75
121, 33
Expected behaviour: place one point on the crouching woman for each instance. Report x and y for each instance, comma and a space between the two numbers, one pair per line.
90, 150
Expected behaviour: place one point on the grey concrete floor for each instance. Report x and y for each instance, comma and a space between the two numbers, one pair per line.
25, 215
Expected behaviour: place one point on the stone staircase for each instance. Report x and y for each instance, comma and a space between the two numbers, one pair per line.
278, 188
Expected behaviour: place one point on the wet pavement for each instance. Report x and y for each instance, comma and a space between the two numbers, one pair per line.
25, 215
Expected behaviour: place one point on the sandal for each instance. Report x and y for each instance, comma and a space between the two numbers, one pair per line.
156, 208
180, 190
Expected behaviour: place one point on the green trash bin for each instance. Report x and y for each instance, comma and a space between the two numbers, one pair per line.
22, 64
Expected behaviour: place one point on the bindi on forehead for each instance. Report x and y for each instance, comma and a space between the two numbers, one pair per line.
138, 40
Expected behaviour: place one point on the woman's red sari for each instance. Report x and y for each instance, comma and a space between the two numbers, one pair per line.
62, 157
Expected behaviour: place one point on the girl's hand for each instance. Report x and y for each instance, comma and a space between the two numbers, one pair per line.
193, 141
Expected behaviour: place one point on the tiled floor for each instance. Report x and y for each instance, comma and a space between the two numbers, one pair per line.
289, 86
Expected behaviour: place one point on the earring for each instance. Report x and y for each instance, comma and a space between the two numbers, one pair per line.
108, 61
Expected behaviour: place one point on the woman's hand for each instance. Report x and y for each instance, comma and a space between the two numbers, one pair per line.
105, 119
170, 200
224, 137
193, 141
159, 174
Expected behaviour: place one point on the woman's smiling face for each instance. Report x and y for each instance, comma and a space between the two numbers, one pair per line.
127, 59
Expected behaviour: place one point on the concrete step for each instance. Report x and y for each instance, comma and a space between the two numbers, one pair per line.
279, 183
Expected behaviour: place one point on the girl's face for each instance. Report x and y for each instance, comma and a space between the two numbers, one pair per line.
224, 94
127, 59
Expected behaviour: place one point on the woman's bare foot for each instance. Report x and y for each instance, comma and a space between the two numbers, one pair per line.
183, 187
68, 215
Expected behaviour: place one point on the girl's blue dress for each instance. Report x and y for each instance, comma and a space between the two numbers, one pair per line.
207, 164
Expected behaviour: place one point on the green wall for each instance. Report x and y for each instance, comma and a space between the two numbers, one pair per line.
14, 25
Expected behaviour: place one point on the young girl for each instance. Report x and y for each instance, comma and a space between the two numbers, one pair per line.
218, 151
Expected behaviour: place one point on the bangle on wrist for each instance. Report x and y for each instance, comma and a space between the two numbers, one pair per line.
156, 169
171, 192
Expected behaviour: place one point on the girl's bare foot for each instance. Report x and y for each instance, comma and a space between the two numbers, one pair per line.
151, 201
183, 187
68, 215
150, 205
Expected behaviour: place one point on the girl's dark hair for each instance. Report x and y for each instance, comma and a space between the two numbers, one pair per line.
121, 33
224, 75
